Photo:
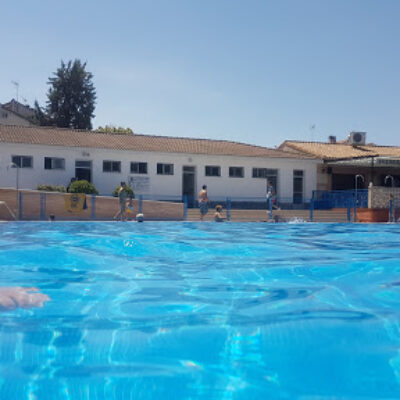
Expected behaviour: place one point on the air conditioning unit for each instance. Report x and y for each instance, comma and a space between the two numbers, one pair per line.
357, 138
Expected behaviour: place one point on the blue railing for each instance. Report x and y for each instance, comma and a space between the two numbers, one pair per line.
326, 200
349, 199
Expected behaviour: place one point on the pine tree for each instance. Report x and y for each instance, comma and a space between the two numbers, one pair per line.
71, 98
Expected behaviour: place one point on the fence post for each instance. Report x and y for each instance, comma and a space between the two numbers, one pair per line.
349, 210
42, 206
20, 206
311, 210
185, 207
391, 211
355, 209
93, 213
228, 208
140, 204
270, 207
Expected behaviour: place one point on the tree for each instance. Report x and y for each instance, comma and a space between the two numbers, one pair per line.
71, 98
114, 129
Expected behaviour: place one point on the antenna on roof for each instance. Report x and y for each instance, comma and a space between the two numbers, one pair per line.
16, 84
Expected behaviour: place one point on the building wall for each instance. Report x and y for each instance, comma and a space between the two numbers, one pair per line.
324, 178
156, 186
9, 118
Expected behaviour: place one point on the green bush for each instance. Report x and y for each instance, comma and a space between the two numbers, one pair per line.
82, 187
128, 189
52, 188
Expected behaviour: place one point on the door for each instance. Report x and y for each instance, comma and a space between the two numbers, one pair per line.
83, 170
297, 186
188, 184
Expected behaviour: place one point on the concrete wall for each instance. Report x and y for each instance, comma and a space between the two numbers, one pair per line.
157, 186
324, 179
379, 197
105, 207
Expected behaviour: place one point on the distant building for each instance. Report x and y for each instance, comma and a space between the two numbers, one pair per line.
342, 161
21, 109
156, 167
15, 113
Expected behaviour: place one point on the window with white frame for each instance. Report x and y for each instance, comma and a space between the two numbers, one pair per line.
54, 163
165, 169
22, 161
138, 167
111, 166
236, 172
213, 170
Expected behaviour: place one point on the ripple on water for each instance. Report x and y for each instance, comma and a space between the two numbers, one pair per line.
186, 310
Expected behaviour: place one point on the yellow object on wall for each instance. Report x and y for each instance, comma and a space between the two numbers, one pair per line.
75, 202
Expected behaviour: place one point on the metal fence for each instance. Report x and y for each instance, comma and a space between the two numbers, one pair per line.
328, 199
41, 206
36, 205
279, 204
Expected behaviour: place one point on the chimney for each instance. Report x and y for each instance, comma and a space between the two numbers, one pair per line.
332, 139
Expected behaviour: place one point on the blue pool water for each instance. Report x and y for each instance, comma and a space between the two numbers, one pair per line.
202, 311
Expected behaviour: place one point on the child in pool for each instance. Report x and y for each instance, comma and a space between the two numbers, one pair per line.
218, 214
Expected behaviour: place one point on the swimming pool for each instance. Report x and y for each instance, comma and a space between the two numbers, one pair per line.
202, 311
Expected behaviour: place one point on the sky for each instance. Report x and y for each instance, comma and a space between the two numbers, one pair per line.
258, 72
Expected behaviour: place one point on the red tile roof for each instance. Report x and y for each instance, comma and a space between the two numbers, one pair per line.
337, 151
50, 136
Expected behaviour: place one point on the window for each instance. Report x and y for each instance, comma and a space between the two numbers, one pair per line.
271, 175
138, 167
23, 161
165, 169
4, 115
213, 170
297, 186
54, 163
260, 172
111, 166
264, 173
236, 172
83, 164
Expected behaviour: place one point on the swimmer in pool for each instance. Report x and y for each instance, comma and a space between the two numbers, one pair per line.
218, 214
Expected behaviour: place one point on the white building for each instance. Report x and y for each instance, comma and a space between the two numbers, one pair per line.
157, 167
10, 117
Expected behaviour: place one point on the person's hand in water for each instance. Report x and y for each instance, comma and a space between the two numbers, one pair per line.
17, 296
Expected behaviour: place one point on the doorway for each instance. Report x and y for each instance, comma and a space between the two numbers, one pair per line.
188, 184
83, 170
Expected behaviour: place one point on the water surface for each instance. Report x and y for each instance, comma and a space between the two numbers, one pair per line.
202, 311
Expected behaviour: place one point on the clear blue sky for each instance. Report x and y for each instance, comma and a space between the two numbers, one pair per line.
252, 71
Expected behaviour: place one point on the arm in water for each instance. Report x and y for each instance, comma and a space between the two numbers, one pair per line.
17, 296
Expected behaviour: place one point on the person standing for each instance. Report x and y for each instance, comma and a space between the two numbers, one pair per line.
271, 196
270, 192
122, 195
203, 202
